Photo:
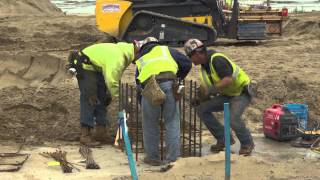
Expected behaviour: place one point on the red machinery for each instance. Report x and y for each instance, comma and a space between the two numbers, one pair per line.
279, 123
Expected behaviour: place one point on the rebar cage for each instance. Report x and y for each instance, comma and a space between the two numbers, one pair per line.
191, 126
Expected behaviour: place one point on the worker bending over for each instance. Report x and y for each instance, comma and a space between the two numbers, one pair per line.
222, 81
158, 68
99, 68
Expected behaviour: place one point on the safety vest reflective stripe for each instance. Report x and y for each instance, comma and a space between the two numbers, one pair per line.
156, 61
236, 72
205, 78
164, 56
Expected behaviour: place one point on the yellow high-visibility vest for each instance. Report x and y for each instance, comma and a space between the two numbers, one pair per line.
241, 79
158, 60
111, 59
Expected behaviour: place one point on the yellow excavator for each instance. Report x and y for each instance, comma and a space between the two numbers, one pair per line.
175, 21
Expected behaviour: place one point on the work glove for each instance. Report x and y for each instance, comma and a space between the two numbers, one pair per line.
93, 100
178, 90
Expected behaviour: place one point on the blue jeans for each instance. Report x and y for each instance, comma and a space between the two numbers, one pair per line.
92, 84
237, 107
151, 132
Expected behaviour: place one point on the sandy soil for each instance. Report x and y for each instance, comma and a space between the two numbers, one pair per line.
39, 104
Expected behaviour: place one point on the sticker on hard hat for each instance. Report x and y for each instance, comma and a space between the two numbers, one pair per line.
110, 8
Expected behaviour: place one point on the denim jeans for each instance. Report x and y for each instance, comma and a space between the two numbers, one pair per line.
151, 132
237, 107
92, 84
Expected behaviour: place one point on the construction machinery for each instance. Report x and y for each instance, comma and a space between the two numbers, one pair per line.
175, 21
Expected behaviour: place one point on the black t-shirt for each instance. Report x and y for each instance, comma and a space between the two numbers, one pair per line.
220, 64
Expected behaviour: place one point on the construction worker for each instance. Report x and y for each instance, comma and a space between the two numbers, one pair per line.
158, 68
221, 81
99, 68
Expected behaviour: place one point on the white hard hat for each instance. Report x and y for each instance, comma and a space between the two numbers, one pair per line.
149, 40
191, 45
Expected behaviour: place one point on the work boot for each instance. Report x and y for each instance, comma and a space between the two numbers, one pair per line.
102, 135
220, 145
246, 150
86, 138
152, 162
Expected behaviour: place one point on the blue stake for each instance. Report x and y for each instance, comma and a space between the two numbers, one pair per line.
132, 164
227, 141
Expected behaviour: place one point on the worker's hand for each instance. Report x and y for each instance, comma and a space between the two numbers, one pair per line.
176, 93
93, 100
213, 91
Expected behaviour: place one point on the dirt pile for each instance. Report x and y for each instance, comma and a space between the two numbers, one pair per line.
38, 102
307, 26
30, 69
28, 8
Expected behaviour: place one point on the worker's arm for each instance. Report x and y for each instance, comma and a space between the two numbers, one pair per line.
184, 63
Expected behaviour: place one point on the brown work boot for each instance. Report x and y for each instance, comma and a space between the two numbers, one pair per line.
220, 145
86, 138
102, 135
152, 162
246, 150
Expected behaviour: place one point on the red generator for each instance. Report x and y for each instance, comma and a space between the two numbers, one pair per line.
279, 123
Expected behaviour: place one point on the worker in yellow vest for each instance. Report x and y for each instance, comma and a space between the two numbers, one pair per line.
221, 81
98, 68
158, 70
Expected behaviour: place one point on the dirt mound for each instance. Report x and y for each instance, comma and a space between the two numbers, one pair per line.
303, 26
287, 89
57, 34
30, 69
28, 8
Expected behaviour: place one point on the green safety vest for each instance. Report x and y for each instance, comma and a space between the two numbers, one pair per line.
240, 77
111, 60
158, 60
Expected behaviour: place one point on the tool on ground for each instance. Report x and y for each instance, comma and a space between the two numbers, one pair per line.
227, 141
124, 127
280, 124
61, 157
86, 153
309, 138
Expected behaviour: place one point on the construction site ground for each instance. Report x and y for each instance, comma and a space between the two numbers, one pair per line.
40, 105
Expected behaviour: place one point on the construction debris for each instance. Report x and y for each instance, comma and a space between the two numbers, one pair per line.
61, 157
86, 153
11, 162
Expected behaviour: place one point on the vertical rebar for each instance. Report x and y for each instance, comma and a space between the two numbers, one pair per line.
127, 96
183, 121
200, 140
190, 116
194, 123
131, 114
137, 125
161, 134
119, 104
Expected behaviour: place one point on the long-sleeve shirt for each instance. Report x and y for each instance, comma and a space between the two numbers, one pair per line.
112, 59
